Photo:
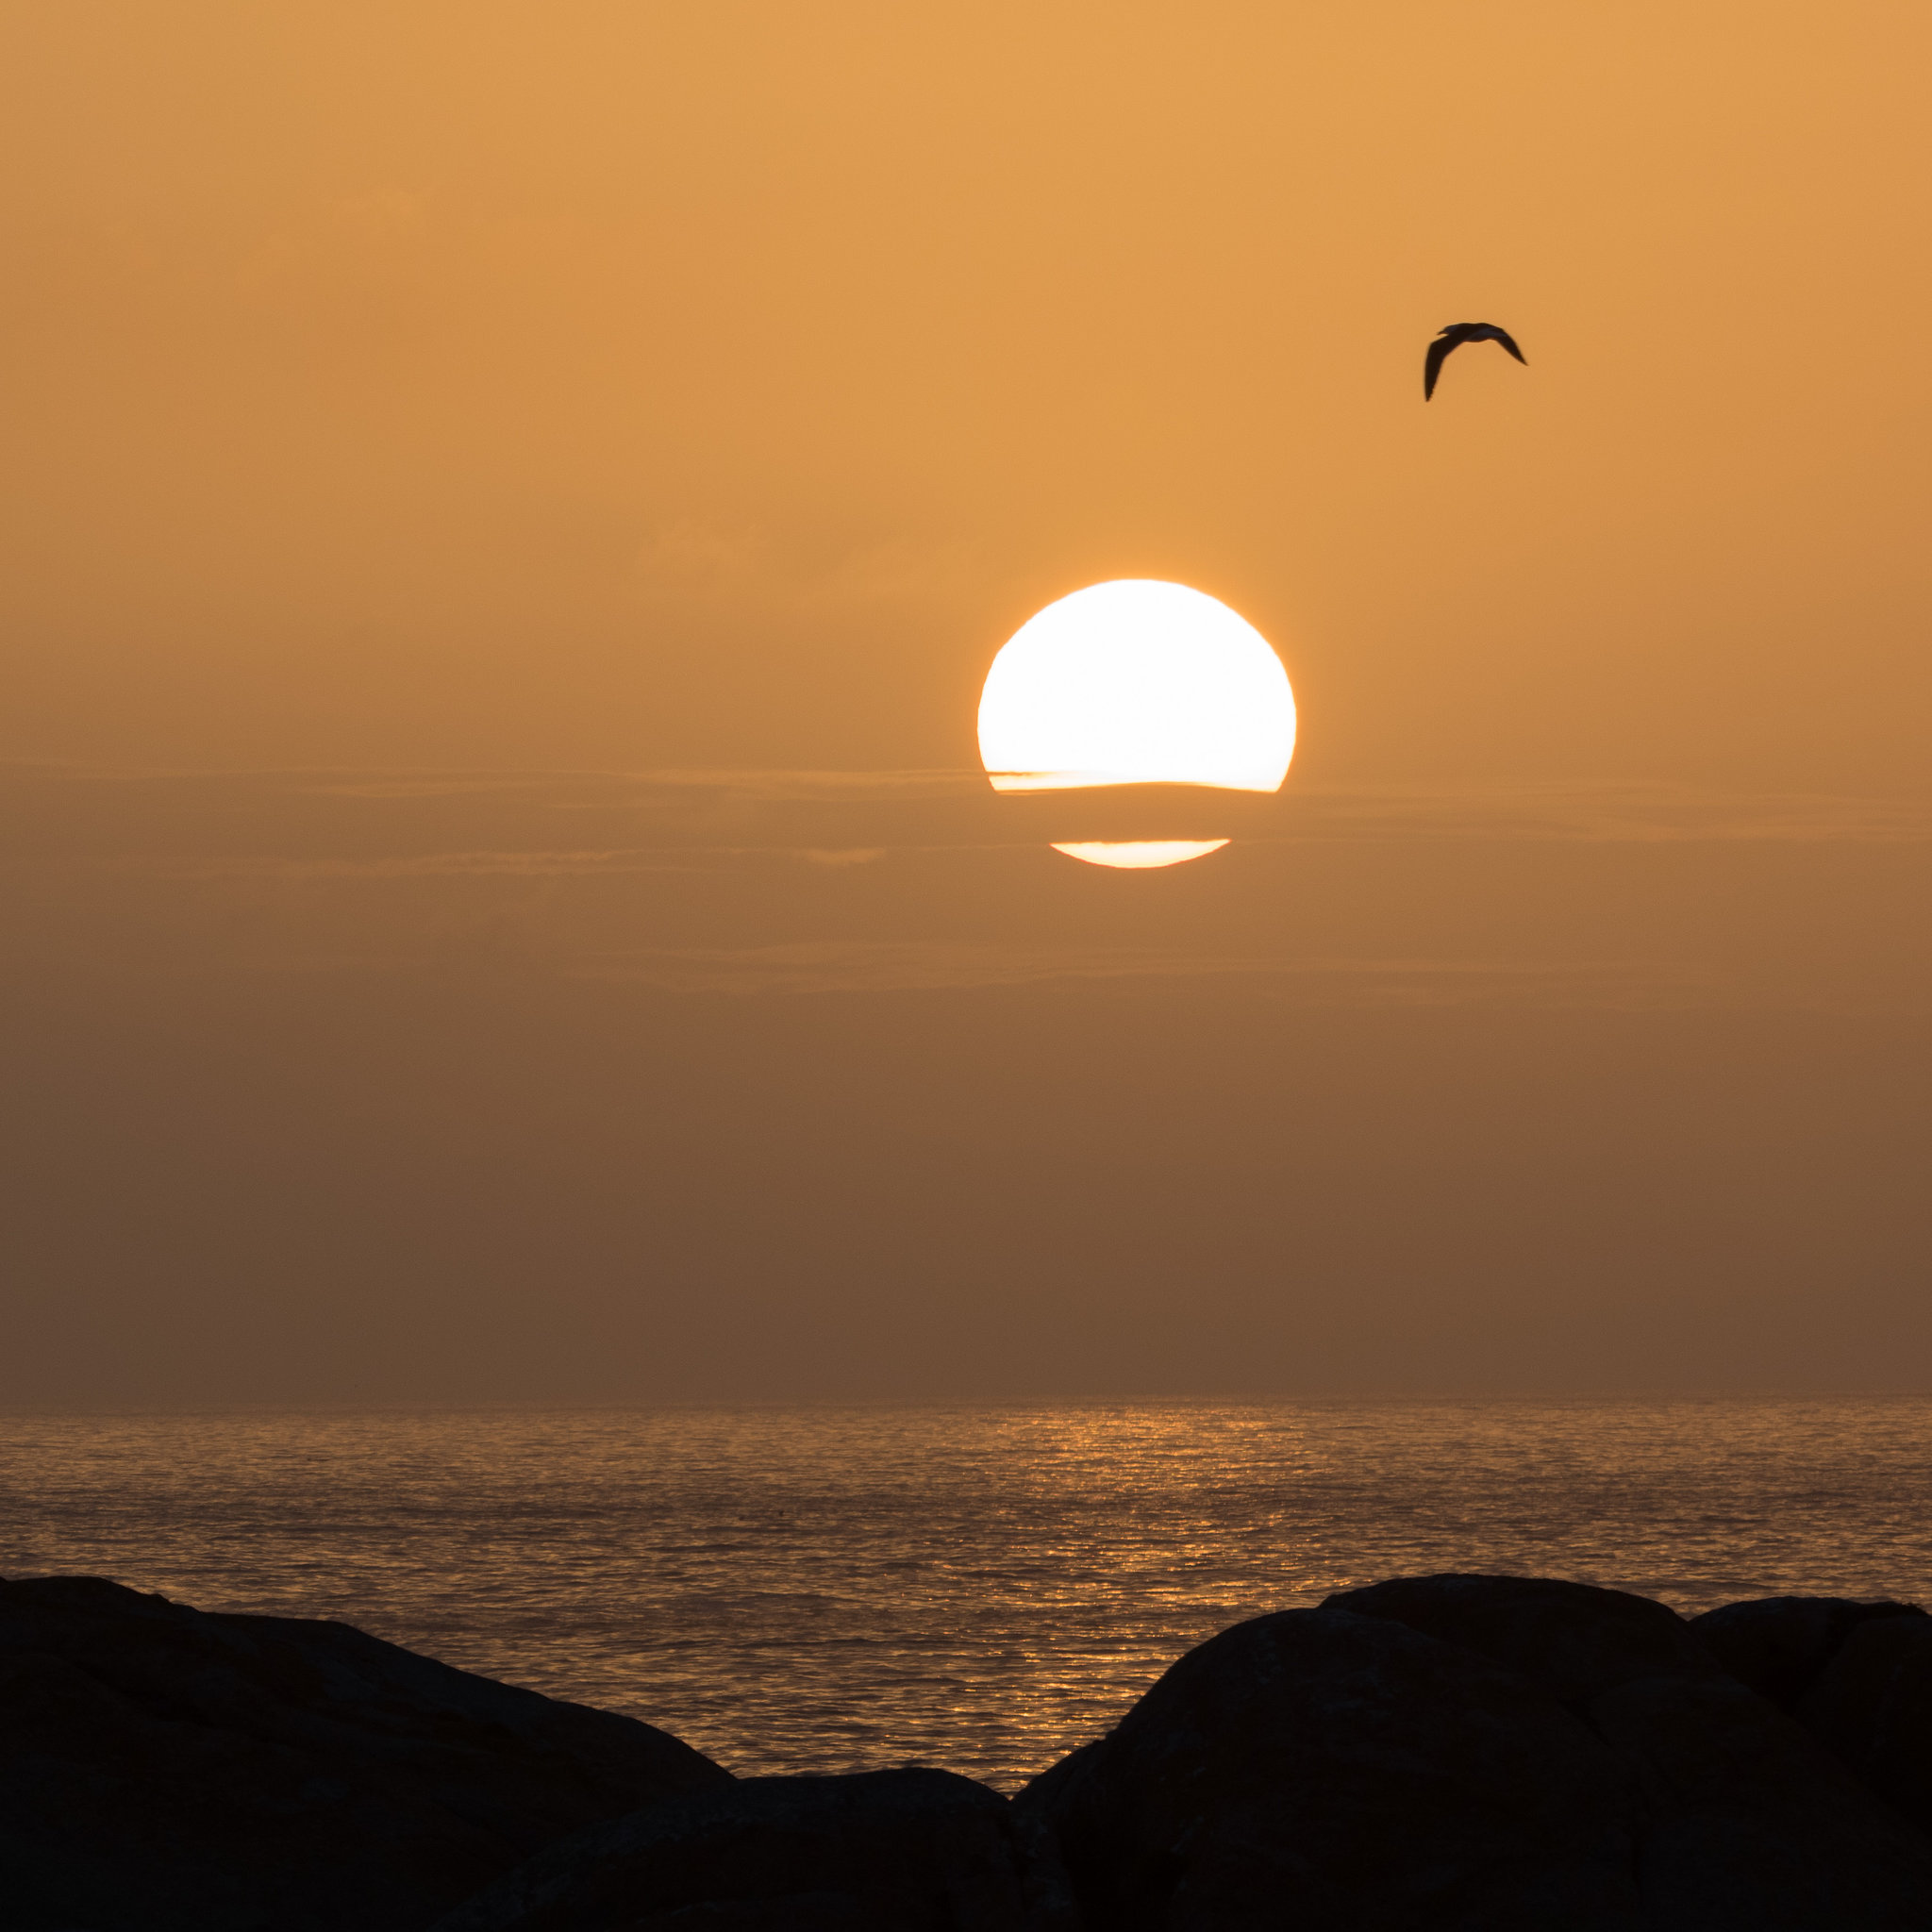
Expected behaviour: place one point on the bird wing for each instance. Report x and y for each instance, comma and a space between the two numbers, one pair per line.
1432, 363
1509, 342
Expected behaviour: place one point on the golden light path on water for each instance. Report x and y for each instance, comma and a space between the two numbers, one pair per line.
984, 1588
1137, 682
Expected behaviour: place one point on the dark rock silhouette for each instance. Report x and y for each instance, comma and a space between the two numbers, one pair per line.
1422, 1756
884, 1851
162, 1768
1339, 1771
1780, 1645
1857, 1675
1465, 1751
1872, 1707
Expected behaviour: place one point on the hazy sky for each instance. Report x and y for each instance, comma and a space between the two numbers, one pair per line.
506, 512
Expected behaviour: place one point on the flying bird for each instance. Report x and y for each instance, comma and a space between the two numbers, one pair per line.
1453, 338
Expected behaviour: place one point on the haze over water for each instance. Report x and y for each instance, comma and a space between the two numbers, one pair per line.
825, 1589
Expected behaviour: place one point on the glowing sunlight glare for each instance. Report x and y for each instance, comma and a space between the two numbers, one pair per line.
1133, 854
1137, 682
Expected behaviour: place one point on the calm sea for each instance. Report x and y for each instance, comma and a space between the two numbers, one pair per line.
825, 1589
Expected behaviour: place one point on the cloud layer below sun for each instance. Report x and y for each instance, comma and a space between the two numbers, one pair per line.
399, 1086
786, 881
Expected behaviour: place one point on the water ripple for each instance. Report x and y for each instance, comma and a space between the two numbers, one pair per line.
980, 1587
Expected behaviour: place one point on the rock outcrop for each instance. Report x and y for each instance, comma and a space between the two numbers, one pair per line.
883, 1851
1873, 1707
1857, 1675
1473, 1752
1782, 1645
1435, 1754
166, 1770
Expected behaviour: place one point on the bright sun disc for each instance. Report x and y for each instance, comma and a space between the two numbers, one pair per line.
1137, 855
1137, 682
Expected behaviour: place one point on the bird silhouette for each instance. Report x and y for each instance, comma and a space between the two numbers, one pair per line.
1453, 338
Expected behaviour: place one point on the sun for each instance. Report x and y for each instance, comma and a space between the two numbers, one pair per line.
1137, 682
1137, 855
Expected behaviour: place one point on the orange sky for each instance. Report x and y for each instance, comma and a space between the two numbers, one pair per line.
568, 396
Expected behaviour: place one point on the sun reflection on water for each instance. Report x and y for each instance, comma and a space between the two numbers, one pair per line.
979, 1587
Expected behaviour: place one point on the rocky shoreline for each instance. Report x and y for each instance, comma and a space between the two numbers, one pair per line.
1430, 1753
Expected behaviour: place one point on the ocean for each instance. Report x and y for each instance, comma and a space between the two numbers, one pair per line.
828, 1589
